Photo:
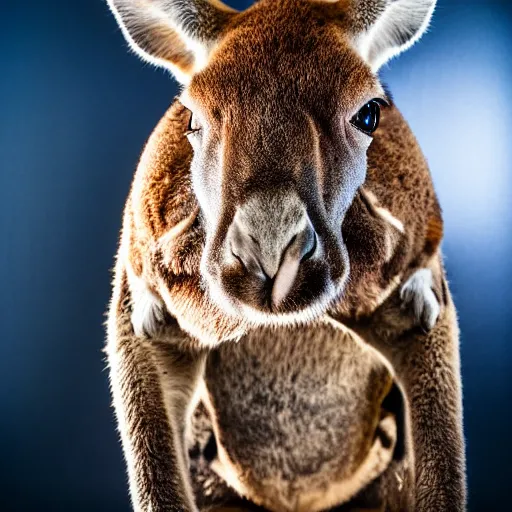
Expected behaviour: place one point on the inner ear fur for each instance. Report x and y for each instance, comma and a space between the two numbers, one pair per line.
174, 34
385, 28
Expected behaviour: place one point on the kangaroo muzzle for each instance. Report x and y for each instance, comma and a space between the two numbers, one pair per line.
272, 243
275, 259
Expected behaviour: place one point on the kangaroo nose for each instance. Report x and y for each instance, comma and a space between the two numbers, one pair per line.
273, 248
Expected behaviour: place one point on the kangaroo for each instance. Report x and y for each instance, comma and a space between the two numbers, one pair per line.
283, 203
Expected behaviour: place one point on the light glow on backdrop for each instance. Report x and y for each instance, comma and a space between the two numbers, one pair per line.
454, 90
76, 109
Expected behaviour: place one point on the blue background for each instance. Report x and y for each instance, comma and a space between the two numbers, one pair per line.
75, 110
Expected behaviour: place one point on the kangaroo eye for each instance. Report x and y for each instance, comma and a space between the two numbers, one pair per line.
367, 119
193, 126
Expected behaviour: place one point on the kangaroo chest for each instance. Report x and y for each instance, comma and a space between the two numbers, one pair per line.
298, 418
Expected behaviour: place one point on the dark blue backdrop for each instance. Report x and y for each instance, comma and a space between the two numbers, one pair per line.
76, 108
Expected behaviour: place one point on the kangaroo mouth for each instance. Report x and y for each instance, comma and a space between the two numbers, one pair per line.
309, 291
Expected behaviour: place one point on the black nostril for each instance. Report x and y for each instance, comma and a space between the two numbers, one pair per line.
235, 255
290, 243
210, 450
271, 247
246, 254
256, 242
311, 251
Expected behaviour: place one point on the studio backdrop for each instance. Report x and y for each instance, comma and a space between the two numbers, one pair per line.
75, 110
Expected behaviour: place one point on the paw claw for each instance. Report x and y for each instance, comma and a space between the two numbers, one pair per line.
148, 313
418, 295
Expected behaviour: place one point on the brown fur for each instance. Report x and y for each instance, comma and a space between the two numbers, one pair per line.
295, 410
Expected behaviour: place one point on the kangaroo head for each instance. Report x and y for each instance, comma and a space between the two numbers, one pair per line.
283, 99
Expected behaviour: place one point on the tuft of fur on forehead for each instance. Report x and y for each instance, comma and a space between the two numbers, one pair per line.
305, 46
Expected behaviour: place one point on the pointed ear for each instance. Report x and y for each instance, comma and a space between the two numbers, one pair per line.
386, 28
175, 34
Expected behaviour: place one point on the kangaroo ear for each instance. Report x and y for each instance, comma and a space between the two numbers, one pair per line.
386, 28
175, 34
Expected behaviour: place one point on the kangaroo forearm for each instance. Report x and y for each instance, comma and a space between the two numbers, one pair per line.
151, 442
427, 366
430, 379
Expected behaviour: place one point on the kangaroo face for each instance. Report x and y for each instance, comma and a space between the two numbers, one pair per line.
283, 101
279, 153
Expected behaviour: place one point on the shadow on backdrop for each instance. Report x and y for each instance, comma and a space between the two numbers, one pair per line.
76, 108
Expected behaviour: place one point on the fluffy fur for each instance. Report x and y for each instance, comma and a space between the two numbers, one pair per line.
342, 401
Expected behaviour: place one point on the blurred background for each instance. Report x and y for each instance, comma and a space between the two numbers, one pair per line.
75, 110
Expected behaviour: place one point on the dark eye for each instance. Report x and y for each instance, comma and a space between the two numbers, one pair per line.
193, 125
367, 119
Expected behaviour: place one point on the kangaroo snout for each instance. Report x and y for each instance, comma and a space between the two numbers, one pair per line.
271, 239
274, 262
